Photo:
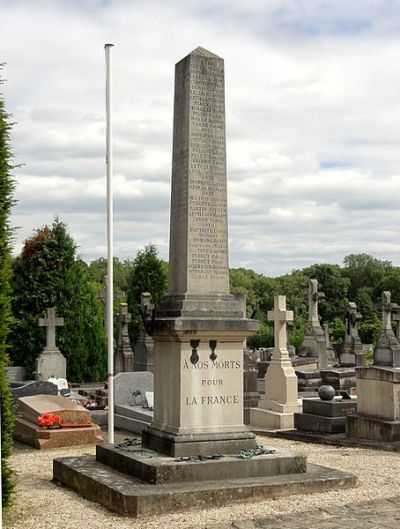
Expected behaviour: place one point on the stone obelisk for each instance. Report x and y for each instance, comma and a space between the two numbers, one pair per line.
199, 327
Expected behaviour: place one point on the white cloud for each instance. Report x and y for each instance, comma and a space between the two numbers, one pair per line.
312, 121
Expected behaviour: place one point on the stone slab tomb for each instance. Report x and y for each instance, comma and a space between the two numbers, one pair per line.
325, 416
191, 455
76, 429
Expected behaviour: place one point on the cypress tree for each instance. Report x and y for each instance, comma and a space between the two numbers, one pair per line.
6, 202
149, 274
47, 274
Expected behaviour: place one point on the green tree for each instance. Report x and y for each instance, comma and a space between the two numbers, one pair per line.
364, 270
45, 275
149, 274
98, 270
365, 304
335, 288
6, 202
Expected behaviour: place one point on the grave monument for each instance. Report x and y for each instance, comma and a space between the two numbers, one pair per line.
123, 352
76, 426
191, 453
51, 362
314, 334
352, 348
280, 401
144, 348
378, 386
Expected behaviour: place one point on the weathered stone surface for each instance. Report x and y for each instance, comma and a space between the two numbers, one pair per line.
15, 374
318, 423
130, 388
276, 407
123, 351
76, 424
130, 497
384, 384
387, 350
332, 408
30, 434
314, 342
144, 348
157, 469
30, 408
361, 426
36, 387
341, 378
352, 352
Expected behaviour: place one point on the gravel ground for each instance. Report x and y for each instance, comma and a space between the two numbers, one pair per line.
40, 504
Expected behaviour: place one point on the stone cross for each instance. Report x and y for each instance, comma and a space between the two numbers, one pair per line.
313, 297
124, 318
280, 316
396, 319
102, 296
146, 304
352, 318
387, 309
51, 322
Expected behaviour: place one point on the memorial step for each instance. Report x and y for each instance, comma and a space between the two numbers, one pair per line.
132, 497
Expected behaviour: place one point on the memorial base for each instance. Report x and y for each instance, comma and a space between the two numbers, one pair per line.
197, 444
28, 433
263, 419
140, 483
324, 416
362, 427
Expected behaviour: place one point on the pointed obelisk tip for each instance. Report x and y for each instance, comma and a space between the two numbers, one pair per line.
204, 53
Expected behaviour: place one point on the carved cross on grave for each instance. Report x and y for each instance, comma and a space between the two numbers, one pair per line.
102, 296
313, 297
352, 318
387, 309
396, 319
51, 322
124, 318
280, 316
146, 311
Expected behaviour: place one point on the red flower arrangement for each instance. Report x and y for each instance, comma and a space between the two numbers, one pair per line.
49, 420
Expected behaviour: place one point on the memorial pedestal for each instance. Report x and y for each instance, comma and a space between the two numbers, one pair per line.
378, 409
324, 416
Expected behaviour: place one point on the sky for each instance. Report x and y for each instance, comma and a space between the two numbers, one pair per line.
312, 118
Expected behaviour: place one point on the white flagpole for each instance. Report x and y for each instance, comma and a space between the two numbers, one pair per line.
110, 256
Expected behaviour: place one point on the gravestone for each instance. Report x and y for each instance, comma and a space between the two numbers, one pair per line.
36, 387
280, 402
199, 329
15, 374
51, 362
378, 386
325, 416
331, 354
76, 424
352, 348
387, 350
144, 348
314, 337
123, 352
251, 395
130, 388
102, 296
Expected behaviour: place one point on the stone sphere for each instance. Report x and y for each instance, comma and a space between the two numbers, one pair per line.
326, 392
